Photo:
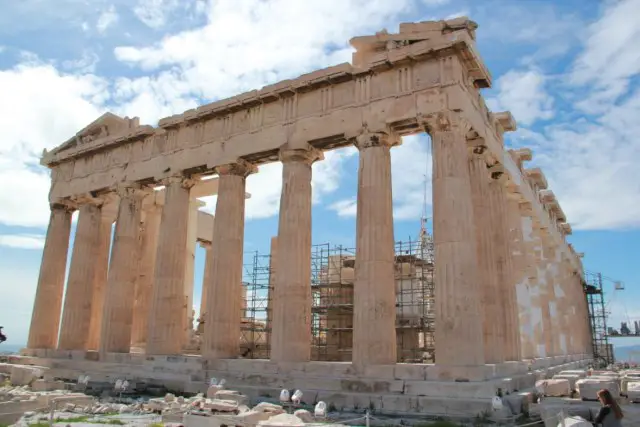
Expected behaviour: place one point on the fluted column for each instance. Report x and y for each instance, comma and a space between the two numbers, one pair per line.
565, 307
144, 283
291, 329
487, 275
273, 256
45, 319
459, 320
102, 270
190, 257
117, 318
166, 315
547, 292
503, 262
206, 278
523, 291
223, 310
374, 295
533, 256
76, 316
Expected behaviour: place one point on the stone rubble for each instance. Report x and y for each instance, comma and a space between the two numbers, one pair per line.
225, 403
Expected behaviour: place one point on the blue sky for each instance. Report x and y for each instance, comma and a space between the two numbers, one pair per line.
567, 70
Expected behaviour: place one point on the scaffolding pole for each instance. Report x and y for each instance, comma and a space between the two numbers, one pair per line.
602, 350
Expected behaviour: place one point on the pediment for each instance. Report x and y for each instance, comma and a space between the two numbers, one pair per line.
106, 126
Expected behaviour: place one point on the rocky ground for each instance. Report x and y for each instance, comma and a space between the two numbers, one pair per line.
68, 408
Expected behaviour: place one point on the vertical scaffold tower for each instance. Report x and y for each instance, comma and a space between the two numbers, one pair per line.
602, 350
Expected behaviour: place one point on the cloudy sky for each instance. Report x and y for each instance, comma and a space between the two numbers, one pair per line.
568, 71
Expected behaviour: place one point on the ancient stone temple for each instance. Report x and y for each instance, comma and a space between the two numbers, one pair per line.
508, 299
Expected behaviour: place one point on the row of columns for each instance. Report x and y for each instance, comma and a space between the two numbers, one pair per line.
480, 250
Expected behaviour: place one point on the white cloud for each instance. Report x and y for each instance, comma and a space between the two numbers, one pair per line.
85, 64
248, 44
22, 241
524, 94
106, 19
41, 108
266, 185
611, 57
410, 167
154, 13
347, 207
591, 167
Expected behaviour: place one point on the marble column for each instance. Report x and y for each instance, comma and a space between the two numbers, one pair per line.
102, 270
492, 309
504, 265
147, 263
565, 307
224, 313
166, 323
117, 317
273, 256
459, 319
45, 319
190, 257
527, 341
76, 316
547, 292
206, 278
374, 291
291, 328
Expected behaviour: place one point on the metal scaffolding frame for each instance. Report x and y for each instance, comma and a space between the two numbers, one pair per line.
332, 281
256, 308
602, 350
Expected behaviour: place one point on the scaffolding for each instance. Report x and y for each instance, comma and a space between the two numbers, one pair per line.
332, 282
602, 350
256, 308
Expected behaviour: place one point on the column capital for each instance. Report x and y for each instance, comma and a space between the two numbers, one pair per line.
307, 155
184, 181
446, 121
89, 199
132, 190
63, 205
241, 168
369, 138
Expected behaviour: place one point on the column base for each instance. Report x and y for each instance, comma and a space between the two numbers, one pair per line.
389, 389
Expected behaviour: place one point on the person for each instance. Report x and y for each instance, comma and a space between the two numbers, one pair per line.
3, 337
610, 415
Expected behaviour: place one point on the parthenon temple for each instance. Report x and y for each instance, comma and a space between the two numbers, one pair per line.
501, 291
